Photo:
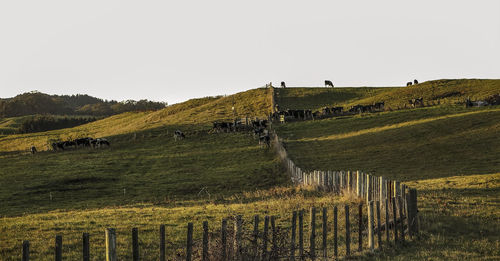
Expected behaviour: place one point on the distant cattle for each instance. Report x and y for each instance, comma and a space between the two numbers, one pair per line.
265, 139
99, 142
283, 85
415, 82
417, 102
33, 150
179, 135
58, 145
409, 84
328, 83
86, 142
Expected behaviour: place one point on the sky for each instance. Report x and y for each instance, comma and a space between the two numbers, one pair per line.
172, 51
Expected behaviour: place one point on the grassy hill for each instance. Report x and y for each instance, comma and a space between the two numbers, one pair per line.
442, 91
198, 113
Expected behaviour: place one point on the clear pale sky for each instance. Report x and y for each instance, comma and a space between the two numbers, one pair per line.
175, 50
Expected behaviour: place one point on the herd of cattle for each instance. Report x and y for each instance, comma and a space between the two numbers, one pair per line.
258, 127
326, 111
329, 83
77, 143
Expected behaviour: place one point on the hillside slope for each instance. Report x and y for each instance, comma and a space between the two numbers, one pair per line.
198, 113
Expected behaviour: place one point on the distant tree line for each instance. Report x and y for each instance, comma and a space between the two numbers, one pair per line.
34, 102
40, 123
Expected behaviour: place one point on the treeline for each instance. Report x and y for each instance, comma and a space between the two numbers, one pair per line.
31, 103
40, 123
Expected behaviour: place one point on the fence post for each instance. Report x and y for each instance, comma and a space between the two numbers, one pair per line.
379, 225
255, 236
349, 181
360, 227
371, 238
387, 232
335, 242
189, 247
274, 246
86, 246
347, 232
312, 233
205, 241
26, 250
401, 219
301, 234
264, 238
110, 244
162, 242
58, 248
394, 216
237, 237
412, 212
325, 233
358, 183
294, 228
224, 238
135, 244
368, 188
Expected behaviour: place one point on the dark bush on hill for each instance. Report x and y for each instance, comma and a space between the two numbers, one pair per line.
31, 103
40, 123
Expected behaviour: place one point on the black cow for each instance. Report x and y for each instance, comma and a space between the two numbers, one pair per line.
409, 84
416, 102
337, 110
328, 83
356, 108
415, 82
379, 106
69, 144
179, 135
265, 139
58, 145
86, 142
33, 149
283, 85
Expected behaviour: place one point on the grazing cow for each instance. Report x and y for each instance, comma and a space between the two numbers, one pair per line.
409, 84
379, 106
328, 83
415, 82
179, 135
418, 102
86, 142
265, 139
58, 145
356, 108
69, 144
33, 149
283, 85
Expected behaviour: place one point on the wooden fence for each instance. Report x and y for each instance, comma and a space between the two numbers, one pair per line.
269, 241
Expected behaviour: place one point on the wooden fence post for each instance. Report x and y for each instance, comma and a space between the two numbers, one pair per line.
26, 250
358, 183
189, 247
325, 233
162, 242
86, 246
312, 233
347, 232
401, 219
394, 216
301, 234
264, 238
58, 248
360, 227
387, 231
368, 188
110, 244
224, 238
412, 212
335, 236
292, 243
205, 241
255, 236
237, 237
349, 181
274, 246
371, 222
379, 225
135, 244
